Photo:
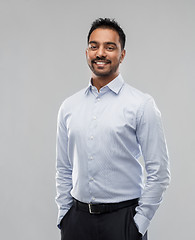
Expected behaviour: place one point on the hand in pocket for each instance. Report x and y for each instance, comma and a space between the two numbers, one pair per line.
134, 233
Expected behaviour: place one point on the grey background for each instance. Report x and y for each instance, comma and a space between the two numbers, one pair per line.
42, 61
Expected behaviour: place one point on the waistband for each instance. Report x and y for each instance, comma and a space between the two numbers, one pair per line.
103, 207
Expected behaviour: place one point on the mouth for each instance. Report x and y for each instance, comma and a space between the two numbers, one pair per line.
101, 63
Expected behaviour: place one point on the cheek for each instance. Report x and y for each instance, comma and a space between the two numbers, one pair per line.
115, 57
90, 56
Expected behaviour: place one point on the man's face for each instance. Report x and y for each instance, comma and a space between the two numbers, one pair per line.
104, 53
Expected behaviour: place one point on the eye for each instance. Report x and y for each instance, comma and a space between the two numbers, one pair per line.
110, 48
93, 47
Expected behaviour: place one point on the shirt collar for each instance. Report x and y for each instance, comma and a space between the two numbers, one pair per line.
115, 85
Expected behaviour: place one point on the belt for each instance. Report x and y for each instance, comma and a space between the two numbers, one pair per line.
103, 207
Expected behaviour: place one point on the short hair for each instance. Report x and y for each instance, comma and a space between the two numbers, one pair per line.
110, 24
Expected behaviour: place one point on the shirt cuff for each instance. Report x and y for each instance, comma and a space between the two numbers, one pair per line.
61, 214
142, 223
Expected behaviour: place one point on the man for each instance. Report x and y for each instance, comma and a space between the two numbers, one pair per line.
102, 131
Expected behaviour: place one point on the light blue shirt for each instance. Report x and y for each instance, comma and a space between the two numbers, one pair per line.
100, 138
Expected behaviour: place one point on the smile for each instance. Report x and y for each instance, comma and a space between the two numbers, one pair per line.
101, 63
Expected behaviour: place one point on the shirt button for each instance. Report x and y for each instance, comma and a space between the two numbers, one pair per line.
93, 198
98, 99
92, 179
91, 158
94, 117
91, 137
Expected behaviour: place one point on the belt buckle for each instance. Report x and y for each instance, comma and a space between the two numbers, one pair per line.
91, 210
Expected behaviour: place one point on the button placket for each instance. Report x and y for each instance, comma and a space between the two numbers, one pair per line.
92, 143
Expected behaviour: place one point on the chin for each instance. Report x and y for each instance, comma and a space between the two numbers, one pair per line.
102, 74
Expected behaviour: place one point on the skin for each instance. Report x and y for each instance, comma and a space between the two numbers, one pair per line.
104, 55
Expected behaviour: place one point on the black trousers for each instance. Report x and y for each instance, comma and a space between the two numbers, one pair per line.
116, 225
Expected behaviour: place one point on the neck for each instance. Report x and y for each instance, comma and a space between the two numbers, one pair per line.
100, 82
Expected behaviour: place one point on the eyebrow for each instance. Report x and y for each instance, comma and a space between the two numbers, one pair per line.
107, 43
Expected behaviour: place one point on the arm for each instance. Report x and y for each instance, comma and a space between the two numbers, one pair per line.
153, 145
63, 170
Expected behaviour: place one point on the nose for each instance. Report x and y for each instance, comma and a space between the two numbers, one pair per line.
101, 52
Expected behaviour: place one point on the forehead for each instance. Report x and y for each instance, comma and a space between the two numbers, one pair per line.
102, 35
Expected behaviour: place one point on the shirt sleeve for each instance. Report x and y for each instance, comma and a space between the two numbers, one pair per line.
152, 141
63, 169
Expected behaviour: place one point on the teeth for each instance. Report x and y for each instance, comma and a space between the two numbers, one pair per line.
100, 63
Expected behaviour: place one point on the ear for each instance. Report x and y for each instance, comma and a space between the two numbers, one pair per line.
86, 52
122, 55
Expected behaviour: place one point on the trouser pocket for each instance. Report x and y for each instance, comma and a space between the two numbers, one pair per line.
64, 219
134, 234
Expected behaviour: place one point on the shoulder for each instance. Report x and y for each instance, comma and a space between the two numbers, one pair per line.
144, 103
136, 96
72, 101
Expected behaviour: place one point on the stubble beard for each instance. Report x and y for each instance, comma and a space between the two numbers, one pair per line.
103, 74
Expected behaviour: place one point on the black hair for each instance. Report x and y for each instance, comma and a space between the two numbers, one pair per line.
110, 24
